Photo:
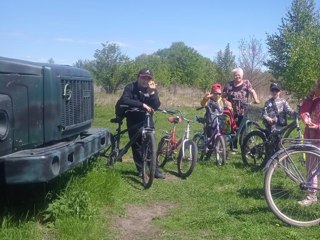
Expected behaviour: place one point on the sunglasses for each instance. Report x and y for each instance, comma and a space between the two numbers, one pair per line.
217, 93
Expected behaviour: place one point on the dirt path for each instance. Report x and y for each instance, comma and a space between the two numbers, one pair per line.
137, 222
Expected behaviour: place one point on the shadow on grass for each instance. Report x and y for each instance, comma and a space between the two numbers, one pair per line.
132, 178
174, 173
243, 213
256, 193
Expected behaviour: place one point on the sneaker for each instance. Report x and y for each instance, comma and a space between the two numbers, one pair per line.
308, 201
140, 173
234, 151
159, 175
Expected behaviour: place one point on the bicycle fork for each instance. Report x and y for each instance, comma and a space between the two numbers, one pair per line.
185, 139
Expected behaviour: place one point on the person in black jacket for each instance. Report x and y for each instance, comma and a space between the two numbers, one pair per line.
141, 94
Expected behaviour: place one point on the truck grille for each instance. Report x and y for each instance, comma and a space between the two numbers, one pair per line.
77, 104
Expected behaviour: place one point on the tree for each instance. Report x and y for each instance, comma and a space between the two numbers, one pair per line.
186, 65
111, 68
86, 64
251, 59
225, 62
294, 51
158, 65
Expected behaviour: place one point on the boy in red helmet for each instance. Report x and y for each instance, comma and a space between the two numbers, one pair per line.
214, 103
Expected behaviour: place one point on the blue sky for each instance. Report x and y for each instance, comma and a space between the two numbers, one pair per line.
66, 31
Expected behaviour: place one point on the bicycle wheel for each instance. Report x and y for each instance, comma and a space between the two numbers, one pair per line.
220, 150
163, 151
253, 149
249, 127
110, 152
187, 158
200, 141
285, 184
148, 160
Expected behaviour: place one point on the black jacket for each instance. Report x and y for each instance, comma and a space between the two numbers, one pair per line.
134, 97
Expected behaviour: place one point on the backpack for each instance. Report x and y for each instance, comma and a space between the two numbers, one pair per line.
120, 109
227, 123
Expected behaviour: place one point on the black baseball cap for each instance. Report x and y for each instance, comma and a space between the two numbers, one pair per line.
145, 72
275, 87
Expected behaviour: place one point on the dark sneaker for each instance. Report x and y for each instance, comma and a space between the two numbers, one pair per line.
140, 173
159, 175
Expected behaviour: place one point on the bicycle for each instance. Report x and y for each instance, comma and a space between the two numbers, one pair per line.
247, 124
260, 144
286, 182
216, 142
168, 145
114, 152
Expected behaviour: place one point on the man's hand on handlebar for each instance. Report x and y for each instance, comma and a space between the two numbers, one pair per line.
148, 108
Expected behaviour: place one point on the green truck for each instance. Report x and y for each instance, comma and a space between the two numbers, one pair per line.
46, 115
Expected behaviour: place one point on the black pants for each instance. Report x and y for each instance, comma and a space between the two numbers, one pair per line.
133, 126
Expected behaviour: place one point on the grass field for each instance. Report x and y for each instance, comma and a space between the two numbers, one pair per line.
97, 202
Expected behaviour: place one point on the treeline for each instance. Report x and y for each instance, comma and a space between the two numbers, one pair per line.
292, 59
177, 65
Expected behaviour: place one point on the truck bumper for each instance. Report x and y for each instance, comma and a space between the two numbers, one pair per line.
43, 164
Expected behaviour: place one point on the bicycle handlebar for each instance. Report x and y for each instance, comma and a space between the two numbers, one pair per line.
171, 112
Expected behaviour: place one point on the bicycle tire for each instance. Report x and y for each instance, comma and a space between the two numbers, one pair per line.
187, 161
253, 149
283, 183
249, 127
220, 150
110, 152
163, 151
200, 141
148, 159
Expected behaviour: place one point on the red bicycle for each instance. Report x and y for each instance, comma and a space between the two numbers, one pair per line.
168, 146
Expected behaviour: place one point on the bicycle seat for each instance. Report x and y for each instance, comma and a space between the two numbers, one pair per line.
116, 120
175, 119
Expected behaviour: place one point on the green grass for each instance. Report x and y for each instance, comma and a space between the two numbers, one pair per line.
224, 202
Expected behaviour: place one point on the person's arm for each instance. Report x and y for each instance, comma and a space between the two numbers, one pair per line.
304, 111
265, 114
127, 97
252, 92
254, 95
205, 99
288, 109
153, 100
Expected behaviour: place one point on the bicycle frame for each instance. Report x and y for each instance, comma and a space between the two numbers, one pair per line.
216, 131
306, 184
120, 152
173, 143
240, 106
243, 125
